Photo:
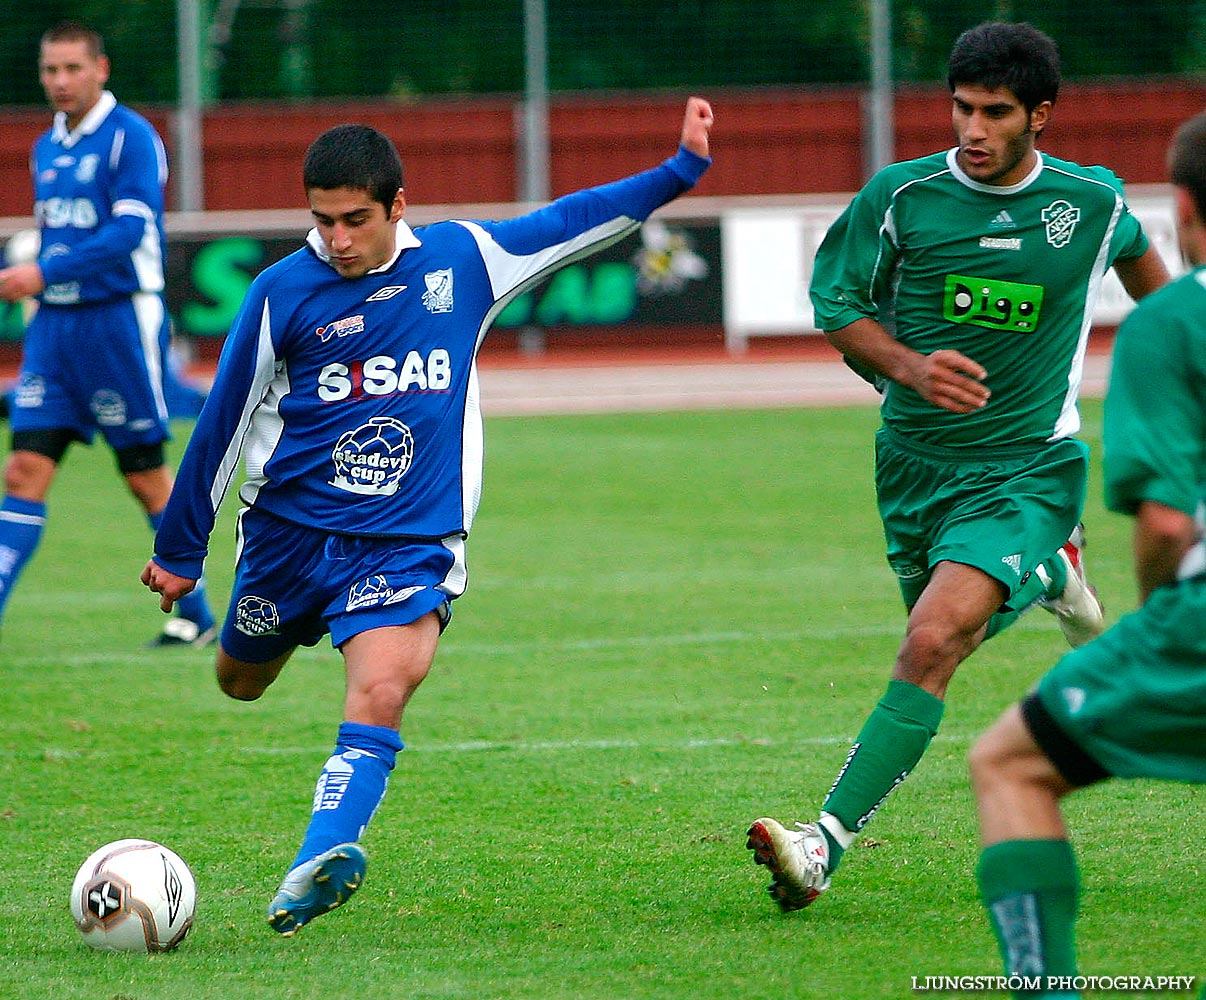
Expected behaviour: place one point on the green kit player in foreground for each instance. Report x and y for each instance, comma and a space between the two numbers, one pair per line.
1131, 704
963, 283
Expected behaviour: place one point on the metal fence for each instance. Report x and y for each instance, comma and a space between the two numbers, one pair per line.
301, 49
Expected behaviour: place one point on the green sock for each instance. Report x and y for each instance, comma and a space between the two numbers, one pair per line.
1054, 576
889, 746
1029, 888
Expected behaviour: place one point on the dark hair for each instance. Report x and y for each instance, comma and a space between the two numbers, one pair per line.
1016, 56
357, 157
1187, 160
74, 31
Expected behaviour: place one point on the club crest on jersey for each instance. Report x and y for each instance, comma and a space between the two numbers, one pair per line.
1060, 218
85, 172
371, 460
341, 328
438, 297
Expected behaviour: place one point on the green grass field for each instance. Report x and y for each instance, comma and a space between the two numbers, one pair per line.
675, 624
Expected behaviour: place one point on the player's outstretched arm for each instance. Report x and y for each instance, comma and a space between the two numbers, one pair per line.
697, 124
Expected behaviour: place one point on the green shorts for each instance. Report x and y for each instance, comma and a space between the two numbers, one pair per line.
1134, 699
1001, 512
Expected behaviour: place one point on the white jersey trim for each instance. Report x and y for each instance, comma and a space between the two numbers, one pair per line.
260, 423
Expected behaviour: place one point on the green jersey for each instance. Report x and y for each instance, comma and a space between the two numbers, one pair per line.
1008, 276
1155, 411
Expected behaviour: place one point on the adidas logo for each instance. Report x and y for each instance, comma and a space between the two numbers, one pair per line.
1014, 562
1002, 220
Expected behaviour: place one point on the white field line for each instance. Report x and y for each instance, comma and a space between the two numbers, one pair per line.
530, 747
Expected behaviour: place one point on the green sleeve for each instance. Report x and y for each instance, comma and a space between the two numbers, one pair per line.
1155, 419
854, 264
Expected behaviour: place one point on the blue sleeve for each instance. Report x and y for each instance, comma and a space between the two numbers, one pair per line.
246, 368
135, 204
632, 197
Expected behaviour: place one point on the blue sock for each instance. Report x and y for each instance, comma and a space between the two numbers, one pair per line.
350, 788
21, 523
194, 605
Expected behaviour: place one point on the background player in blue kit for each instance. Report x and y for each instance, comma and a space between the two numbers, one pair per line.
95, 348
348, 385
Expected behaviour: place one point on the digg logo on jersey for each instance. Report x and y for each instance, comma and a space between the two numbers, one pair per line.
256, 616
372, 459
382, 375
341, 328
438, 297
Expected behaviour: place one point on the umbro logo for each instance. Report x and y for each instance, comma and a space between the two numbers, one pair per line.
1002, 220
388, 292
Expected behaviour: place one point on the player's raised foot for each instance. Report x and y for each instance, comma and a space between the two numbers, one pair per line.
316, 887
798, 861
182, 632
1078, 609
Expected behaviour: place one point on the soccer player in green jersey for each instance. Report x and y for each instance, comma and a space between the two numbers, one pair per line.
963, 283
1132, 703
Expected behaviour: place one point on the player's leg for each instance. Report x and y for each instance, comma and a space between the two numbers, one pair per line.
1027, 871
390, 602
45, 420
128, 376
945, 626
1130, 704
29, 472
1057, 583
1067, 593
384, 668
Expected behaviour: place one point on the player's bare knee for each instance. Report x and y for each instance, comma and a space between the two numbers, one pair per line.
240, 687
243, 681
27, 475
985, 761
929, 656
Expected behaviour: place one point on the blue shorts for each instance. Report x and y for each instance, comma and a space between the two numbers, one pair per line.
293, 585
90, 367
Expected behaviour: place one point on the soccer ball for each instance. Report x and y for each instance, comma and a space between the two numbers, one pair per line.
133, 895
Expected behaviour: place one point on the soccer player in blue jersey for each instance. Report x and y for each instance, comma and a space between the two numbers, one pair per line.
1132, 703
95, 347
348, 386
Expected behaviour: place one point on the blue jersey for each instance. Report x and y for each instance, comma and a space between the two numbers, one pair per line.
354, 401
98, 202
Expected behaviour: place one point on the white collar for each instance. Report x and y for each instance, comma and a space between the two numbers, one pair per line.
404, 239
88, 124
952, 161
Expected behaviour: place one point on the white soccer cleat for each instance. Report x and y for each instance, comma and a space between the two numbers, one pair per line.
1078, 609
798, 861
182, 632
